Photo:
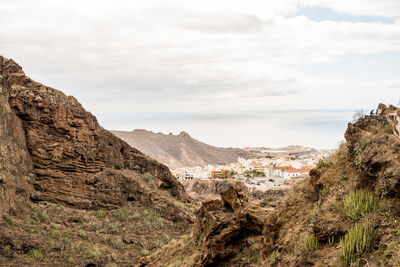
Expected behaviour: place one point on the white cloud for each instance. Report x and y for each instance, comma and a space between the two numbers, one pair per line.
193, 55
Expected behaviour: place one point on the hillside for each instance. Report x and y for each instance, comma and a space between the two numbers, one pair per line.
72, 193
346, 213
180, 150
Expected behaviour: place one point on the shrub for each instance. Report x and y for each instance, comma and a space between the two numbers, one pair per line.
95, 252
387, 128
114, 228
144, 252
135, 215
321, 163
56, 234
176, 262
39, 216
274, 256
37, 254
7, 219
148, 177
82, 233
117, 243
358, 203
356, 242
358, 114
121, 214
100, 214
311, 242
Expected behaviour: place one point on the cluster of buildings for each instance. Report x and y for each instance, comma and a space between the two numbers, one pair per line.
285, 167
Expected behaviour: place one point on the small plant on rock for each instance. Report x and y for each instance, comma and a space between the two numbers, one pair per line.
311, 242
356, 242
274, 256
37, 254
358, 203
148, 177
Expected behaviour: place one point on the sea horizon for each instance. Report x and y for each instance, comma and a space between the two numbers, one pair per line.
318, 128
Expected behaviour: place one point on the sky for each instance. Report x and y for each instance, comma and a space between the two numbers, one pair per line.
208, 57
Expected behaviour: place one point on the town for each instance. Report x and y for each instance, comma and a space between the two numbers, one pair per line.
263, 172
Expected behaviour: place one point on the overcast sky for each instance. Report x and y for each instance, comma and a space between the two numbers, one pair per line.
209, 56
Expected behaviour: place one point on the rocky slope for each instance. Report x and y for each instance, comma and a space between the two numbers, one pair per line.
55, 154
180, 150
201, 190
345, 214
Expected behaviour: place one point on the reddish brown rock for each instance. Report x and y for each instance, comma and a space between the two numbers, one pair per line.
224, 227
15, 161
75, 160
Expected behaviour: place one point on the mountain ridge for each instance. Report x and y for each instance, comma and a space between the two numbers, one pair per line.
180, 150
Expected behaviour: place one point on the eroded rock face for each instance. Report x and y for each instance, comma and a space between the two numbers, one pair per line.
225, 226
15, 161
374, 144
75, 160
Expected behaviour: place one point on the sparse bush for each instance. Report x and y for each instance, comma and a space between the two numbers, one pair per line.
144, 252
314, 212
186, 237
148, 177
7, 219
135, 215
82, 233
358, 114
121, 214
100, 214
158, 223
274, 256
356, 242
56, 234
321, 163
39, 216
358, 203
114, 228
176, 262
331, 240
311, 242
387, 128
37, 254
117, 243
95, 252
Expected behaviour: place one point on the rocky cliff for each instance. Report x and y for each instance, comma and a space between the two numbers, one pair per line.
180, 150
72, 193
16, 169
75, 161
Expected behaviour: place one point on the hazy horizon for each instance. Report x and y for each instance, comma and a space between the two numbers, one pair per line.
321, 129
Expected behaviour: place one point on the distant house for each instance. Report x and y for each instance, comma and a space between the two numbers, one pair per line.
219, 174
288, 172
293, 172
278, 170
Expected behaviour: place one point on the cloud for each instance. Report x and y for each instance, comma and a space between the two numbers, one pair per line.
202, 55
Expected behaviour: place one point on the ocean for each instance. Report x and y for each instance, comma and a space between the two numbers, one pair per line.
322, 129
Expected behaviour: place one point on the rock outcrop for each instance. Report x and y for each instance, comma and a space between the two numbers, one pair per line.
75, 161
226, 227
200, 190
15, 162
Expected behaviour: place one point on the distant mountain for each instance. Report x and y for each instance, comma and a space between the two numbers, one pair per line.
180, 150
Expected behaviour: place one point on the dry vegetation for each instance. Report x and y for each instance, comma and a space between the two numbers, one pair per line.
47, 234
